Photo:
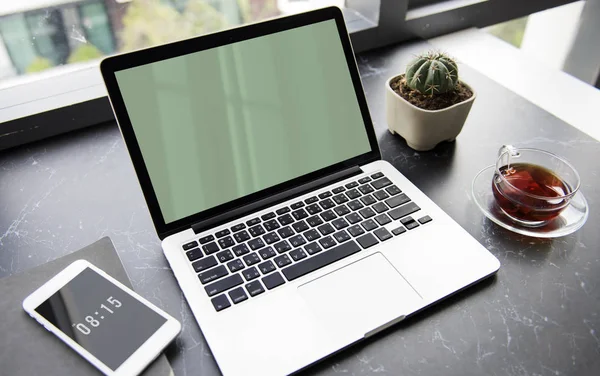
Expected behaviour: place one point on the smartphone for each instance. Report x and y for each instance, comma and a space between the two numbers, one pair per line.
107, 323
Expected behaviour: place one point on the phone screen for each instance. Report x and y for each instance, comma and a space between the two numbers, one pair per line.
101, 317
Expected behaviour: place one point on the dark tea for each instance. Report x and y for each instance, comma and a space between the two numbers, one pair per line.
525, 180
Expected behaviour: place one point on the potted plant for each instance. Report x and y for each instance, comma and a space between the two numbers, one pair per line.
428, 104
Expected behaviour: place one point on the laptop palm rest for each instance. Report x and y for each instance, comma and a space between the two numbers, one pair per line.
366, 296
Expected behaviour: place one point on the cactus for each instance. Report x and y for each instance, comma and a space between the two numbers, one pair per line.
432, 73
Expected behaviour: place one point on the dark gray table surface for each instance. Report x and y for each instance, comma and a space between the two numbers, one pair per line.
538, 316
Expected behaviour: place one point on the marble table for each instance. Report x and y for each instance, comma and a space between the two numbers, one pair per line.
538, 316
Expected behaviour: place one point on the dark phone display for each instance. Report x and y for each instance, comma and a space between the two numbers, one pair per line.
102, 318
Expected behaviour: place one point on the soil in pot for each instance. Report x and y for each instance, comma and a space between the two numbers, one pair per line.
430, 102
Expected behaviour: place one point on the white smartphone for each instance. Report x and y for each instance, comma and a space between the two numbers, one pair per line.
111, 326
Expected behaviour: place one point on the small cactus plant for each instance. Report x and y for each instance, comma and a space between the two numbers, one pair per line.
432, 73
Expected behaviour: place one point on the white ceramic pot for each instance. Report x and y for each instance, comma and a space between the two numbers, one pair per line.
424, 129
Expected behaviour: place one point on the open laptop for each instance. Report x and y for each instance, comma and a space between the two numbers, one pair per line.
289, 236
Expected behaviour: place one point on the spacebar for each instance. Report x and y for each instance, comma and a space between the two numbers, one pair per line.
320, 260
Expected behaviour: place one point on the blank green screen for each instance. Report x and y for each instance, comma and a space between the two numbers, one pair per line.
217, 125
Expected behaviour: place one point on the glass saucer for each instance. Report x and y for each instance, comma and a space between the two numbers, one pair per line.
570, 220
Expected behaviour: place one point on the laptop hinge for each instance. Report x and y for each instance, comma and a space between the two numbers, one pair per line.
274, 199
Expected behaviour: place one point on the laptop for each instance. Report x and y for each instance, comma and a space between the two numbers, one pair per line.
289, 236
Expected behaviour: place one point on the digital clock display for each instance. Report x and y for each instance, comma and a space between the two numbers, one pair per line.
102, 318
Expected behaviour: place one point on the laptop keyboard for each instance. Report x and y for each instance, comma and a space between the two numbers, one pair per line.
265, 252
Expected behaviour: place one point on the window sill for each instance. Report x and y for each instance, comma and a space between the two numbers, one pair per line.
444, 6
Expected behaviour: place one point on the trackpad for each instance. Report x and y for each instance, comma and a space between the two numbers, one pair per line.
361, 296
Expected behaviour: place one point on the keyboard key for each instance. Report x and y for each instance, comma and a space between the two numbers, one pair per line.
412, 225
194, 254
399, 230
271, 225
324, 195
273, 280
297, 205
240, 249
380, 207
311, 235
404, 210
356, 230
340, 223
328, 215
266, 267
327, 242
241, 236
256, 244
210, 248
365, 189
341, 210
251, 259
282, 260
189, 245
382, 219
223, 285
212, 274
297, 241
338, 190
282, 210
327, 204
383, 182
225, 256
251, 273
256, 230
353, 194
314, 221
367, 240
235, 265
254, 288
220, 234
367, 213
297, 254
406, 220
238, 295
300, 226
226, 242
204, 264
271, 238
425, 219
322, 259
355, 205
369, 225
253, 221
220, 302
311, 200
312, 248
368, 200
285, 219
282, 246
353, 218
377, 175
351, 185
267, 253
340, 198
313, 209
267, 216
285, 232
382, 233
397, 200
238, 227
326, 229
341, 236
206, 239
381, 195
364, 180
393, 190
300, 214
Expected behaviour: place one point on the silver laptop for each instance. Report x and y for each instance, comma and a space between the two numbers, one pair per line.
289, 236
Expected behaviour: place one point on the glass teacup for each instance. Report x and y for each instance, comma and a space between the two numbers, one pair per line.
533, 186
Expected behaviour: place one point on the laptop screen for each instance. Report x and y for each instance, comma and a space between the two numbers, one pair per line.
217, 125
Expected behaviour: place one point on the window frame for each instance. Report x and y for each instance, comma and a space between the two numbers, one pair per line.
80, 99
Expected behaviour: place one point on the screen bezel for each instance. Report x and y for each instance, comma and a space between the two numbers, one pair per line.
111, 65
140, 358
